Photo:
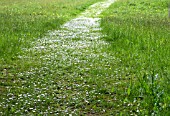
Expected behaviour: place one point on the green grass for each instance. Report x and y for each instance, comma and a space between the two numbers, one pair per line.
131, 77
139, 34
23, 21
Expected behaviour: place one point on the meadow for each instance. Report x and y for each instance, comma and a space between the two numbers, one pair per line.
130, 77
139, 34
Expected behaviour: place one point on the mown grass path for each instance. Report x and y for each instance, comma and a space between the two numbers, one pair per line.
72, 72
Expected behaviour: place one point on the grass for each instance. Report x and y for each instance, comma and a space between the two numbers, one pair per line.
139, 34
131, 77
24, 21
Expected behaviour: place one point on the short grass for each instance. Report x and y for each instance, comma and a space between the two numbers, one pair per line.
139, 34
22, 21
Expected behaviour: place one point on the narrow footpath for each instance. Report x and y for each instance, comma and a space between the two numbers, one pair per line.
74, 61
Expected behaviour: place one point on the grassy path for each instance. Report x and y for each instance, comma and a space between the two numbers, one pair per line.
69, 72
23, 21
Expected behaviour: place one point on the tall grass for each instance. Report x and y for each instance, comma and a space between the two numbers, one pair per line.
139, 33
